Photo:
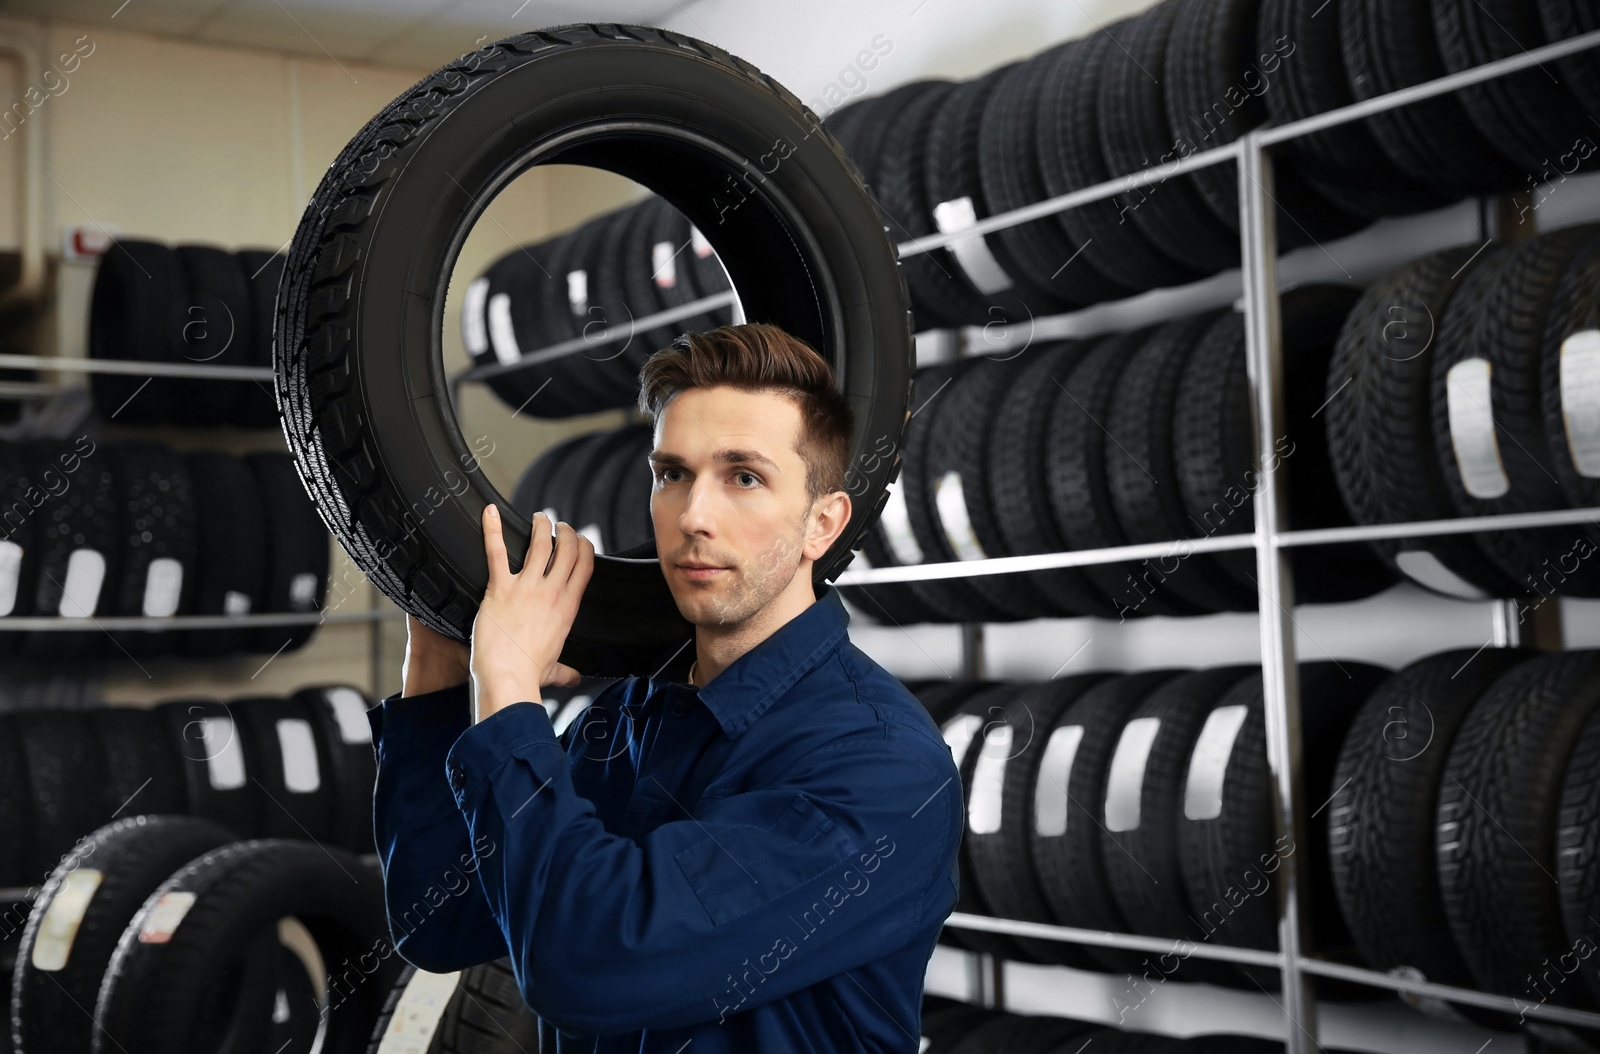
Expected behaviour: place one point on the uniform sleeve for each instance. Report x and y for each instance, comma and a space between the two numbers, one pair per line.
438, 918
840, 860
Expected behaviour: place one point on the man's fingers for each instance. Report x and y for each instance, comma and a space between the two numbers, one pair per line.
567, 541
539, 546
574, 572
583, 566
494, 547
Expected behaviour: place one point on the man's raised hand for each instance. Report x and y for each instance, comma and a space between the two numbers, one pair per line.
524, 619
433, 661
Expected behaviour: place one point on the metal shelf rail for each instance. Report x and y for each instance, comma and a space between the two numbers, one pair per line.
1257, 957
198, 370
605, 336
999, 565
1258, 237
67, 623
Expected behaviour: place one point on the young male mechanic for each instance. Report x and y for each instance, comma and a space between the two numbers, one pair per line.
759, 860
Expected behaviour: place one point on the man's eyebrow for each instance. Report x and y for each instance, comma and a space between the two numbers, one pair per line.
726, 456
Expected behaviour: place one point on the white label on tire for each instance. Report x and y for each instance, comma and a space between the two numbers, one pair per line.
350, 713
1208, 765
698, 243
294, 936
989, 781
299, 750
162, 920
897, 527
224, 755
10, 571
59, 927
1125, 783
592, 532
1472, 436
1580, 399
664, 264
1055, 773
474, 333
80, 595
951, 501
235, 603
958, 733
502, 334
1428, 570
303, 591
971, 253
163, 585
418, 1013
578, 292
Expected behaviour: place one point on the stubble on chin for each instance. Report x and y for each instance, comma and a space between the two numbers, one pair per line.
758, 581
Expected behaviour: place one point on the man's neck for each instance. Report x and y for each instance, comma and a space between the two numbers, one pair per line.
718, 647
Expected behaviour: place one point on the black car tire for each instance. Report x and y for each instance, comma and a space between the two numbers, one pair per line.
387, 210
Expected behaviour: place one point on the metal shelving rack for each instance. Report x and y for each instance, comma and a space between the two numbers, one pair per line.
1275, 581
26, 390
1258, 236
1274, 577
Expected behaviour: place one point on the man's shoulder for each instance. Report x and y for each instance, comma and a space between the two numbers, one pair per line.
877, 702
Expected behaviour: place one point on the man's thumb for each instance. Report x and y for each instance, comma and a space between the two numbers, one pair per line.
563, 675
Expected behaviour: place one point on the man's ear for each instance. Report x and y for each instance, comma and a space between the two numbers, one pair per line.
829, 516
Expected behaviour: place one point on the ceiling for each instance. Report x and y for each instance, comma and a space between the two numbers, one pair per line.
417, 34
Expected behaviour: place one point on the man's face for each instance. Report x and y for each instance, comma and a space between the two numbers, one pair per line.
729, 501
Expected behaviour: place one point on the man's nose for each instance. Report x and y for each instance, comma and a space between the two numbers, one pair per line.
697, 516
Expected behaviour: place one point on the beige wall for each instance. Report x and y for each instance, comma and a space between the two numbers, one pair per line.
174, 142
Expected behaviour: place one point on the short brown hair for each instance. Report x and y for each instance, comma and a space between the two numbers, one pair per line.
759, 356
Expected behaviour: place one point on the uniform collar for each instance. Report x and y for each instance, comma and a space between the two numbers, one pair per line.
755, 680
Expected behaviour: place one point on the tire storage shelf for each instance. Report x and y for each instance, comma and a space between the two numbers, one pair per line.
234, 571
1271, 542
203, 372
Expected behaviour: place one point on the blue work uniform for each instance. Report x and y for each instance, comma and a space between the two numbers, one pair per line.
761, 865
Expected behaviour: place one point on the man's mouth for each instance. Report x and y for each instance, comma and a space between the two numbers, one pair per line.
698, 572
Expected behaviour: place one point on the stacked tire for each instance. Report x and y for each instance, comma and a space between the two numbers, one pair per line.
1139, 803
165, 932
135, 528
1186, 76
599, 482
598, 278
186, 305
1458, 389
1454, 809
298, 767
1137, 437
1462, 838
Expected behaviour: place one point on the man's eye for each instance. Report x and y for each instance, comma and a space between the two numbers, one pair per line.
661, 474
749, 475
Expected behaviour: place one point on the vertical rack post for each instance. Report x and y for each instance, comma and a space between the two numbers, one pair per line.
1264, 341
1505, 623
973, 665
